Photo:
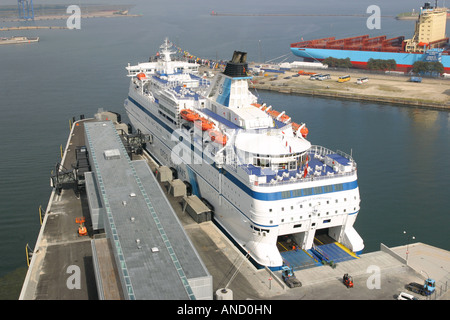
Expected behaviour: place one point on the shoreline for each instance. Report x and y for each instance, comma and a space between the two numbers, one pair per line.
381, 88
105, 14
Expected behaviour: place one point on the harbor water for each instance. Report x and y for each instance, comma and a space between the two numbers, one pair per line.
402, 153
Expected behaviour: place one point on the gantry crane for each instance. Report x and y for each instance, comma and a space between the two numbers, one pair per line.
26, 10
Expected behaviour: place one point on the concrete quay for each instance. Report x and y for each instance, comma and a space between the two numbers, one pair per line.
431, 93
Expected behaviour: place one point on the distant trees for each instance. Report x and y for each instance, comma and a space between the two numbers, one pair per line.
372, 64
381, 64
428, 67
337, 63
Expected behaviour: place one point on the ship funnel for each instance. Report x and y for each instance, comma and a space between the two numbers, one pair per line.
237, 67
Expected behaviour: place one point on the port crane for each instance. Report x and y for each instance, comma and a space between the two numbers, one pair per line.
26, 9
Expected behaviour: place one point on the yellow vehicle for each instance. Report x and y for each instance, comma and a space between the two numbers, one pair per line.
344, 79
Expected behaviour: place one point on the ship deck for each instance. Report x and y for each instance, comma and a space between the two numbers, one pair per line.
316, 168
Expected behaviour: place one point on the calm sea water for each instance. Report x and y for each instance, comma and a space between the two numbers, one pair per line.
402, 153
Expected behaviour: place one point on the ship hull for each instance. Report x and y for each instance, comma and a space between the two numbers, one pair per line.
253, 233
269, 201
18, 40
360, 58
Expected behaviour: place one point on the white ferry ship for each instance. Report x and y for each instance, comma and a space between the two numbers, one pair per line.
265, 182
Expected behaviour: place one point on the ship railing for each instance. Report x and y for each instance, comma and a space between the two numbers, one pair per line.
260, 179
308, 178
322, 151
202, 83
253, 180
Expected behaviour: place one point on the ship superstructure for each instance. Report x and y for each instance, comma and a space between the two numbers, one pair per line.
252, 164
429, 43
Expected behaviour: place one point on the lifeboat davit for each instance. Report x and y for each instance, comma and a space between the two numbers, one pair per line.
141, 76
204, 124
283, 117
303, 131
275, 114
218, 137
189, 115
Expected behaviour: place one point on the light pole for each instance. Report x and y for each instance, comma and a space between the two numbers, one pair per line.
259, 51
407, 246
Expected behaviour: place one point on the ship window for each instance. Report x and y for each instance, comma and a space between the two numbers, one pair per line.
297, 193
327, 188
285, 194
317, 190
297, 225
326, 221
282, 166
292, 165
339, 187
270, 210
307, 192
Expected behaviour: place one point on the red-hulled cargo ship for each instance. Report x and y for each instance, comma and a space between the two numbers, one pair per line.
429, 43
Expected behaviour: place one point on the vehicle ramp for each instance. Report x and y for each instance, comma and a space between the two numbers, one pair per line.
317, 256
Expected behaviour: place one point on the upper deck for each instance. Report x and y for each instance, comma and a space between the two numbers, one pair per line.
319, 163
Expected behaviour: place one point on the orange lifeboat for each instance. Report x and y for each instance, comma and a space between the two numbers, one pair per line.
218, 137
141, 76
275, 114
284, 118
204, 124
303, 131
189, 115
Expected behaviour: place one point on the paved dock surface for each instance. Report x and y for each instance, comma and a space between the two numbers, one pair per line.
59, 246
431, 93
